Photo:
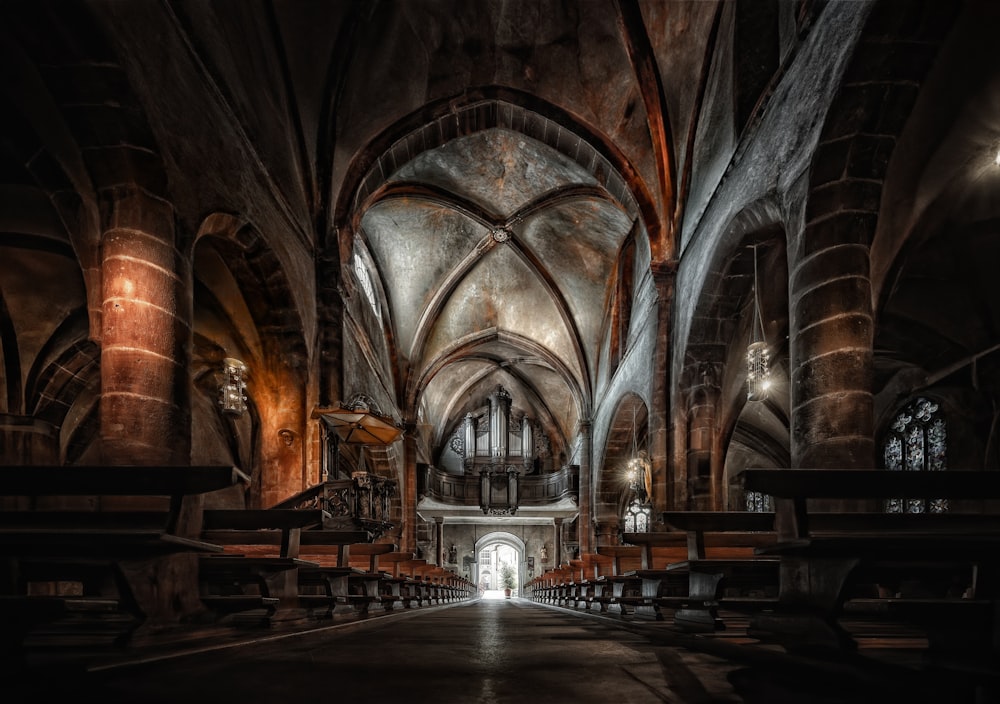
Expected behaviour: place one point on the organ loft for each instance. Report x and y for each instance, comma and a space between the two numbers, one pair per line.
500, 350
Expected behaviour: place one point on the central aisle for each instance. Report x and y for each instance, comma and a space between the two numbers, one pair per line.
483, 652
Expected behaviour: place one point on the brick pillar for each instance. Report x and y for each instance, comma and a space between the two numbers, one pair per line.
145, 336
659, 419
409, 490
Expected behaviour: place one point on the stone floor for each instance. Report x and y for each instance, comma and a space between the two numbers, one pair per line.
487, 651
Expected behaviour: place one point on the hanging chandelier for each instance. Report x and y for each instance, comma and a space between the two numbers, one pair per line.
758, 360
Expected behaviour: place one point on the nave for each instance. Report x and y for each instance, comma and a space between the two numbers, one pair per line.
487, 650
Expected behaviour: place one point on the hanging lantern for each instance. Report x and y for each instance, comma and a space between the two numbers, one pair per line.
233, 392
758, 372
758, 359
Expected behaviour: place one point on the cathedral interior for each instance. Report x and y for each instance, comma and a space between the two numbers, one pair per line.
577, 262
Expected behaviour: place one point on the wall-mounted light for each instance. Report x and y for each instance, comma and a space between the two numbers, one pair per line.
233, 392
758, 358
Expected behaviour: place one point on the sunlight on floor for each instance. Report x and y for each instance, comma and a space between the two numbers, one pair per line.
496, 594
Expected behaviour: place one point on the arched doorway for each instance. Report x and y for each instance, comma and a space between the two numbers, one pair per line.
493, 552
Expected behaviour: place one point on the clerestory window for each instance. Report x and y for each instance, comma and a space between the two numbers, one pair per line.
365, 280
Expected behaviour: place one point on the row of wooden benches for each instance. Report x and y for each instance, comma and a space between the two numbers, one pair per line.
104, 554
798, 574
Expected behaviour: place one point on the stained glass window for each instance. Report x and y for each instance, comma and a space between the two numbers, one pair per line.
758, 502
916, 441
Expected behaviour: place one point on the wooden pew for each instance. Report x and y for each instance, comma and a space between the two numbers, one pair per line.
394, 586
578, 584
420, 588
366, 582
626, 585
596, 588
80, 538
260, 527
321, 580
252, 589
322, 587
706, 561
252, 584
821, 571
442, 584
575, 588
432, 584
182, 487
553, 584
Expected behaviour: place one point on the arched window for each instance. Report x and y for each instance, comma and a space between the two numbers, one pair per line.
758, 502
916, 441
365, 279
621, 315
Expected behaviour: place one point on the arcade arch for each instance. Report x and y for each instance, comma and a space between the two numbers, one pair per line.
494, 550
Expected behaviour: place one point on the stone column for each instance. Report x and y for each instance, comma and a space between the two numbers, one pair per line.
585, 524
439, 539
664, 275
703, 472
831, 332
607, 531
145, 415
677, 481
557, 541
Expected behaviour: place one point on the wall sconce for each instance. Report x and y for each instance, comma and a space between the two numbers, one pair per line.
758, 359
233, 392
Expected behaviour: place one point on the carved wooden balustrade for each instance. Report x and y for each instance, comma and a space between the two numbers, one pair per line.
501, 489
363, 502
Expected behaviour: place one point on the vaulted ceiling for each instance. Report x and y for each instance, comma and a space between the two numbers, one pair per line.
498, 257
487, 159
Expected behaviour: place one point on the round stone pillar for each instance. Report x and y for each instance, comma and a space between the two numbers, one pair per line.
831, 347
585, 524
145, 336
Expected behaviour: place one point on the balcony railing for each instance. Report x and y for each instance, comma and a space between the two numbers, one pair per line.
500, 489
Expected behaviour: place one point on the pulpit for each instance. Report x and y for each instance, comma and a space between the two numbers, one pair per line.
362, 502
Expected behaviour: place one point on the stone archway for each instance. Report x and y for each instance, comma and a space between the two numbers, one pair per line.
492, 551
